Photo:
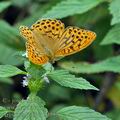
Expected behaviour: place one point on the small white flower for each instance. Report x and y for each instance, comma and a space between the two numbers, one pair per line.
25, 54
25, 81
45, 78
28, 76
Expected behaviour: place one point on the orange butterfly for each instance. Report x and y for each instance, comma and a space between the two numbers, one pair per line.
48, 40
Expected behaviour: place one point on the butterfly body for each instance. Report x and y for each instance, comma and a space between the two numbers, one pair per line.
48, 40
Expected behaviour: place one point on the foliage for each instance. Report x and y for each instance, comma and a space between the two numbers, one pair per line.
63, 9
10, 32
32, 108
109, 64
113, 114
68, 113
3, 111
68, 80
9, 70
10, 53
112, 36
114, 10
102, 57
4, 5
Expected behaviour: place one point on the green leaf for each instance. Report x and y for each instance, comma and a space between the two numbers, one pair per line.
36, 14
3, 111
113, 36
68, 8
115, 11
78, 113
84, 20
10, 36
66, 79
9, 71
20, 3
111, 64
36, 71
53, 110
4, 5
112, 114
31, 19
100, 52
9, 53
54, 91
31, 109
6, 80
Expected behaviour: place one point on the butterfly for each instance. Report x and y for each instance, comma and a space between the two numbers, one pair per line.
48, 40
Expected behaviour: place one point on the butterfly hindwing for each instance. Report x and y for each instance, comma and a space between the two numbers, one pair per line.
35, 52
73, 40
34, 55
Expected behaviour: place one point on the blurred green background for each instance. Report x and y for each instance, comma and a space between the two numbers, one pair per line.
99, 63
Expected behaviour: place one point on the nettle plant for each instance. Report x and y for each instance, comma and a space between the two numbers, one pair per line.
46, 42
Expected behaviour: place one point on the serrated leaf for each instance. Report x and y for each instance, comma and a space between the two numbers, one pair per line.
10, 36
9, 71
31, 109
78, 113
113, 36
4, 5
66, 79
68, 8
3, 111
111, 64
115, 11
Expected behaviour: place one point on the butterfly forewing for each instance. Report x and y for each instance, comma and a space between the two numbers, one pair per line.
48, 32
51, 28
35, 51
73, 40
